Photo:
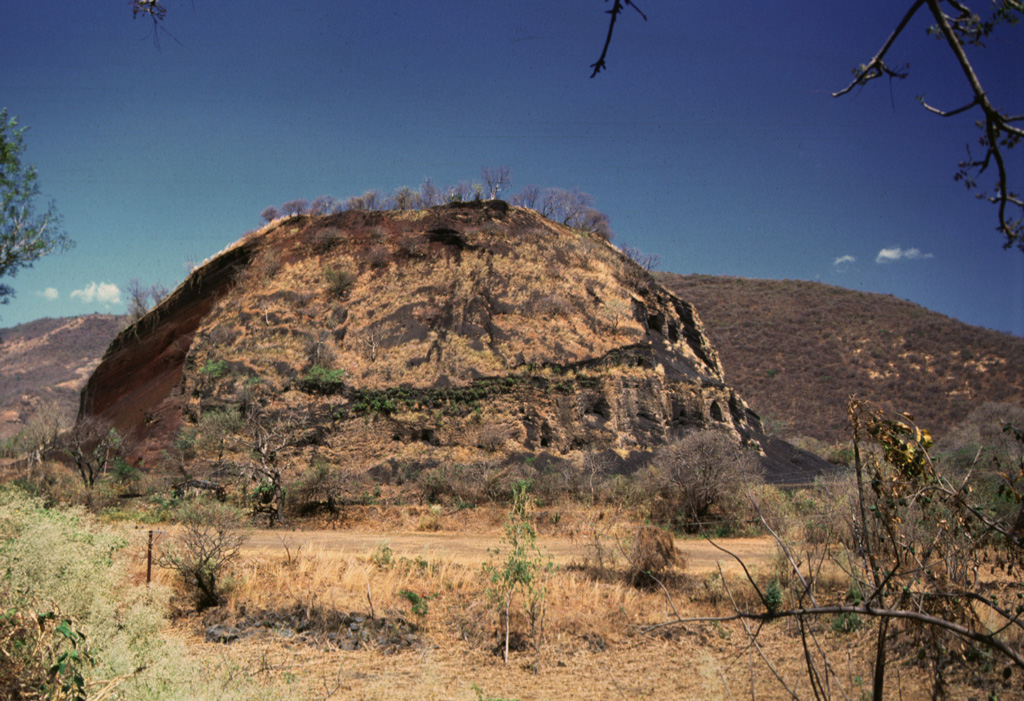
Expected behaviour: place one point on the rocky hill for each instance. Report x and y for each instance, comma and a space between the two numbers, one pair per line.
392, 341
798, 350
49, 360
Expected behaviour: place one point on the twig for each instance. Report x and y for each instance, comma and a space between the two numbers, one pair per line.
373, 615
617, 7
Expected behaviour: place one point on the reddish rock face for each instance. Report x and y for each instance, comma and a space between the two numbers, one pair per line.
453, 334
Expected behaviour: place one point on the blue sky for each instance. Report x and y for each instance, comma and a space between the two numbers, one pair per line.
712, 140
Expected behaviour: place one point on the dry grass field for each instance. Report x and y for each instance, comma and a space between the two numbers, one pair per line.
293, 591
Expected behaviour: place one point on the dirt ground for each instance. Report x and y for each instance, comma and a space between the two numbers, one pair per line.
472, 548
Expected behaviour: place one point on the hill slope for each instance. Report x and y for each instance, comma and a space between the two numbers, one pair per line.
49, 360
797, 351
394, 341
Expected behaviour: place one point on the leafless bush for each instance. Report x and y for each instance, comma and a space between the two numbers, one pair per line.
701, 473
651, 554
140, 298
319, 488
367, 202
294, 207
319, 350
269, 214
405, 198
339, 282
491, 437
324, 204
377, 256
261, 269
409, 245
326, 239
212, 535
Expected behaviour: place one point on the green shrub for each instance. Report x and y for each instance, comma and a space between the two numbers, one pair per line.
214, 369
321, 380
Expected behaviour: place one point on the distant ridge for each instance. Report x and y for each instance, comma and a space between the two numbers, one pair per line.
797, 350
49, 360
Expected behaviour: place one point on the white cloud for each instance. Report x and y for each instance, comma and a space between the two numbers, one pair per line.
104, 293
50, 293
888, 255
841, 260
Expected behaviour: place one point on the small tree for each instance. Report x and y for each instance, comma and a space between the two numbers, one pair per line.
42, 431
369, 201
522, 571
405, 198
140, 298
269, 214
496, 180
429, 194
294, 207
25, 235
324, 204
94, 445
528, 197
268, 435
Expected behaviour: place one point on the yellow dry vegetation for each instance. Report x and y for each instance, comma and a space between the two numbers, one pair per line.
593, 646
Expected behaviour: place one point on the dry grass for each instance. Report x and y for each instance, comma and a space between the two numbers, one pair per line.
593, 645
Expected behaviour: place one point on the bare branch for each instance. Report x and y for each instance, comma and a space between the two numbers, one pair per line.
876, 66
617, 7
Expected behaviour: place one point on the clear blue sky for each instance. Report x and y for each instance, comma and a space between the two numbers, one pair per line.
712, 140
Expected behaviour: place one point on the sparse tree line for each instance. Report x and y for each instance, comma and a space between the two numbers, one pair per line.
572, 208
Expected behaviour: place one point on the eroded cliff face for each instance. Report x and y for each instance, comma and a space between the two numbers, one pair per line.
438, 335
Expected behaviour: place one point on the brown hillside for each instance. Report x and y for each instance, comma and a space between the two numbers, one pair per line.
49, 360
390, 340
798, 350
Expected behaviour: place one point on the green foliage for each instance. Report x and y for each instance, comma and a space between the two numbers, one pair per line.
523, 569
126, 474
459, 401
25, 235
418, 603
66, 614
321, 380
214, 369
382, 556
773, 596
847, 622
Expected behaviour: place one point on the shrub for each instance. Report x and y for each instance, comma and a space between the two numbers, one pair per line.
212, 534
522, 571
339, 282
705, 472
377, 256
214, 369
67, 612
651, 553
321, 380
318, 488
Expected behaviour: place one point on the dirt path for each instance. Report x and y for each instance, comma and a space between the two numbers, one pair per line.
471, 548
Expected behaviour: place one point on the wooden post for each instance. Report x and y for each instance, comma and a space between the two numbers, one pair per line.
149, 559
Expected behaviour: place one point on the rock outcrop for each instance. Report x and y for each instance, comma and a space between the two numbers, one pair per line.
423, 337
